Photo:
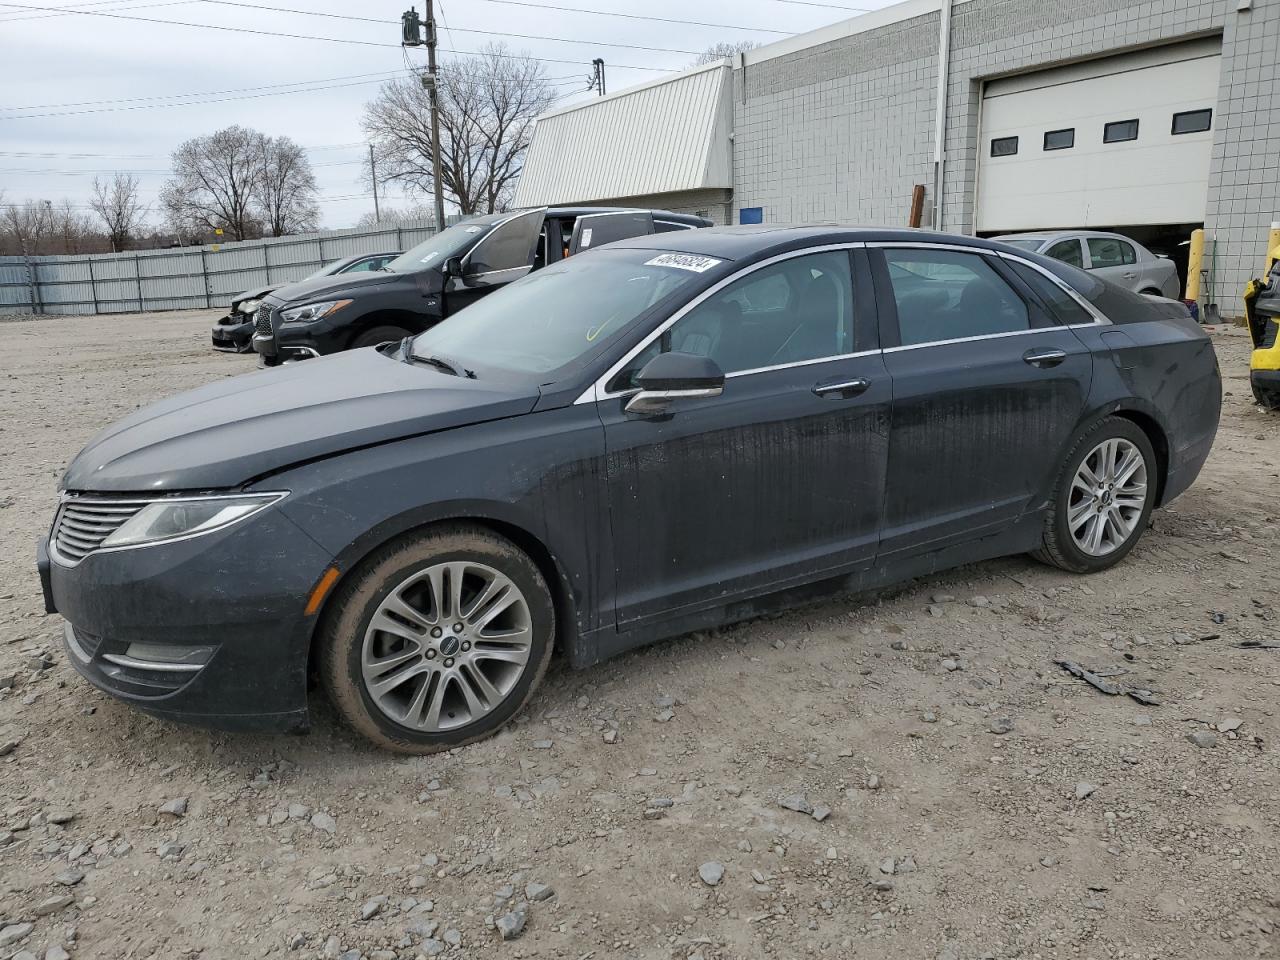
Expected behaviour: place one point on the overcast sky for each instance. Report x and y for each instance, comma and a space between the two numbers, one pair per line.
106, 87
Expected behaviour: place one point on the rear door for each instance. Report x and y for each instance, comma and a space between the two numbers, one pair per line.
987, 389
597, 229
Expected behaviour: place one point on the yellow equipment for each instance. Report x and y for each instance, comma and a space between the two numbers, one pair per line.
1262, 310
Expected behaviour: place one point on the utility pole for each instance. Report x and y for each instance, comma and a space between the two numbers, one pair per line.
598, 82
373, 176
411, 36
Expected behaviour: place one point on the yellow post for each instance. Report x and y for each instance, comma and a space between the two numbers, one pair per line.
1195, 257
1273, 240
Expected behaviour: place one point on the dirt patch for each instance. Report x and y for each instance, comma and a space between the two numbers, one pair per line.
981, 801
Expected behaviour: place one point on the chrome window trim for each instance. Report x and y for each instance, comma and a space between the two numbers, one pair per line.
143, 502
676, 224
596, 392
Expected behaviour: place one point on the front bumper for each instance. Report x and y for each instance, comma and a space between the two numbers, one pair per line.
226, 608
1265, 379
232, 337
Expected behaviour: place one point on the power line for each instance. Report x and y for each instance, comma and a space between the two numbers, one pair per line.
347, 40
639, 16
828, 6
13, 17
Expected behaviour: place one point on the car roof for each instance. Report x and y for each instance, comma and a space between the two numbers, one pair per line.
744, 242
586, 211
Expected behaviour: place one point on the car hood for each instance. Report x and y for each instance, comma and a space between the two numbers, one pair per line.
254, 293
311, 290
226, 433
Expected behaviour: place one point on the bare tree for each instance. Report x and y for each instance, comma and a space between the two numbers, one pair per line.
116, 203
29, 225
391, 217
488, 106
74, 229
725, 48
285, 194
214, 184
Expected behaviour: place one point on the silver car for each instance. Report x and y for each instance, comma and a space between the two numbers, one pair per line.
1111, 256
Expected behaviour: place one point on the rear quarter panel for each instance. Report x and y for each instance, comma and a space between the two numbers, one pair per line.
1164, 369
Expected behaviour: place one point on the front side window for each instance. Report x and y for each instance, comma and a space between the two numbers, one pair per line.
1059, 139
452, 242
1192, 121
1068, 251
1004, 146
789, 312
947, 295
1110, 252
365, 266
508, 246
1118, 131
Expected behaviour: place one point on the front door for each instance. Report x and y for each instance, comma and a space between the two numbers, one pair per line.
987, 389
596, 229
504, 254
777, 481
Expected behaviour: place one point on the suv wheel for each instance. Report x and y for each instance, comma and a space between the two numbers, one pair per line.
371, 338
438, 640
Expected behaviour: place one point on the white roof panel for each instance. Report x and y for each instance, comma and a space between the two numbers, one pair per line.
665, 136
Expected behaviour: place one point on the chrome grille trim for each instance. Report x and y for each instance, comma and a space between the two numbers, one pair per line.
82, 524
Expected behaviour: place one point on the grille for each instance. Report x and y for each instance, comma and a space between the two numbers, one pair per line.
82, 525
262, 322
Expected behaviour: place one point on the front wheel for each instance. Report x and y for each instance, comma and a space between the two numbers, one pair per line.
437, 640
371, 338
1103, 499
1268, 399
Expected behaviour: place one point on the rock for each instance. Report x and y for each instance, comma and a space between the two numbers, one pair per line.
744, 845
873, 782
1001, 725
1084, 790
60, 816
664, 701
432, 948
796, 802
1226, 726
56, 953
372, 908
298, 811
820, 812
24, 955
935, 610
538, 891
511, 925
1049, 861
711, 873
942, 598
950, 665
170, 850
423, 928
1203, 738
322, 821
54, 904
542, 744
611, 736
665, 716
297, 941
69, 877
979, 601
887, 866
883, 886
8, 746
15, 932
929, 717
177, 807
332, 947
452, 937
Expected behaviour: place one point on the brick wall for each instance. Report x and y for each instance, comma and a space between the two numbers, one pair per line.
844, 129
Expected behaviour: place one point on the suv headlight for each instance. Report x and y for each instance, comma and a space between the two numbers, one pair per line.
173, 519
312, 311
249, 307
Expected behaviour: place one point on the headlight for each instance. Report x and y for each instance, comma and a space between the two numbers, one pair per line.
312, 311
250, 306
171, 519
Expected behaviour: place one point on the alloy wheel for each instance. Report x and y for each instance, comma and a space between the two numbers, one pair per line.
1108, 494
446, 646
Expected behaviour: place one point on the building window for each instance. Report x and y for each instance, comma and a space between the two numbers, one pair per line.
1004, 146
1060, 139
751, 215
1192, 121
1118, 131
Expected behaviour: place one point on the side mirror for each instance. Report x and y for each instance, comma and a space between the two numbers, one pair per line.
675, 376
453, 267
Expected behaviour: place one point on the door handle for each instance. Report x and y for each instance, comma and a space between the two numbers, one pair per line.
1044, 358
1129, 276
842, 389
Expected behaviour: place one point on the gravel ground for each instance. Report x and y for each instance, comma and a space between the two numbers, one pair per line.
833, 782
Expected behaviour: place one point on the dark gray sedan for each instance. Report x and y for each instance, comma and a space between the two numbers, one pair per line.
667, 434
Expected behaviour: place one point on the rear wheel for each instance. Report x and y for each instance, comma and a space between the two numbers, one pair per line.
1103, 499
1269, 399
438, 640
371, 338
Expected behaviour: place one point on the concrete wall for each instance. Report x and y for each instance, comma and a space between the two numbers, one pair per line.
842, 130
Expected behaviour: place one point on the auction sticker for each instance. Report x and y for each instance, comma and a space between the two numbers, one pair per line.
683, 261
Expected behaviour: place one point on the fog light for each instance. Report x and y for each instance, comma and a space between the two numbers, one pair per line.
161, 656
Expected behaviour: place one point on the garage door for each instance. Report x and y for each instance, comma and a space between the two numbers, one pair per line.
1123, 140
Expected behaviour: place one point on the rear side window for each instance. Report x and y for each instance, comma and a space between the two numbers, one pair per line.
947, 295
1068, 251
1110, 252
1062, 306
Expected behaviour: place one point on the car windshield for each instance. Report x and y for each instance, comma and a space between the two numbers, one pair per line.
559, 314
1023, 243
452, 242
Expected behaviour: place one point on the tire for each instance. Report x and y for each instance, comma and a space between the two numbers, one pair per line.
1268, 399
1061, 547
410, 573
377, 335
1151, 292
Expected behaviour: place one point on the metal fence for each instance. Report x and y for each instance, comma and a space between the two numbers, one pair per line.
184, 278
